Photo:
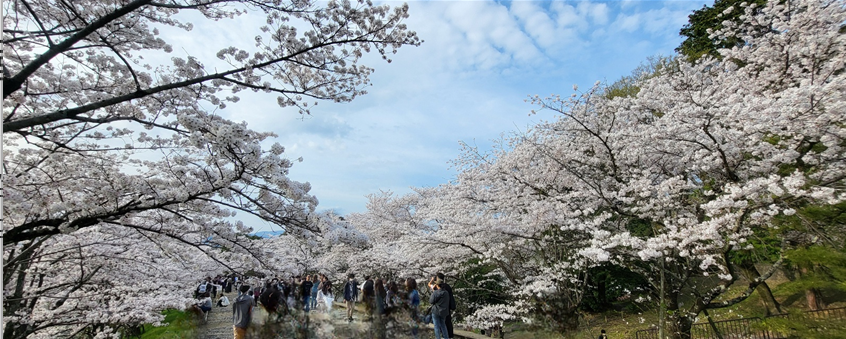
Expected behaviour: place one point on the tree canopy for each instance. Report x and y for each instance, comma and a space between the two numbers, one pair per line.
673, 178
703, 22
122, 179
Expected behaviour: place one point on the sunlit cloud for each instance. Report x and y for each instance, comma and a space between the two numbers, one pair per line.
466, 82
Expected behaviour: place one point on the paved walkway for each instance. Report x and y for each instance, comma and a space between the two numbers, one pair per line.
318, 325
219, 324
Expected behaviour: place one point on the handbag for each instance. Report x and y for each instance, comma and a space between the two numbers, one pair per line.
427, 319
427, 316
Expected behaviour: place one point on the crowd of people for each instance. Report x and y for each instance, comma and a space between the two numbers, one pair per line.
281, 297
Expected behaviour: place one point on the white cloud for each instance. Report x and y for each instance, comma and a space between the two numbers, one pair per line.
598, 12
628, 22
569, 16
475, 34
536, 22
466, 82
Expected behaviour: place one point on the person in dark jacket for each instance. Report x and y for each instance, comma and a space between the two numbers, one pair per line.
381, 295
350, 294
452, 304
440, 307
305, 292
369, 296
413, 298
269, 299
242, 312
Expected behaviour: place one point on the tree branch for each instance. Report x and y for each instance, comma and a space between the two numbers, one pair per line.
14, 83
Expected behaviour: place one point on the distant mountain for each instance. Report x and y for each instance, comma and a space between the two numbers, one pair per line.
268, 234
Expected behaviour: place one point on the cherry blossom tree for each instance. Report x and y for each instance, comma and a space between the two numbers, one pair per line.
671, 183
116, 164
678, 178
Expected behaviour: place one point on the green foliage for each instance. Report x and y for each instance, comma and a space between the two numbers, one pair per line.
827, 269
817, 224
797, 324
177, 324
608, 283
629, 85
766, 247
640, 228
697, 42
478, 282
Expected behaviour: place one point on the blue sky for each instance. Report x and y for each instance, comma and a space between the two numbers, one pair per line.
467, 82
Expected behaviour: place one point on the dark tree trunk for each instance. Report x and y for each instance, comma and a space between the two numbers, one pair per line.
563, 319
771, 305
602, 293
812, 295
768, 299
678, 327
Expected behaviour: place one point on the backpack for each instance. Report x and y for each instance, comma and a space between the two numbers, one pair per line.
202, 288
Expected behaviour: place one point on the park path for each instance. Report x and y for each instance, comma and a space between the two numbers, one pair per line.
219, 324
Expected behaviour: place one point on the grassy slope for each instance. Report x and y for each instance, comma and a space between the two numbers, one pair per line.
625, 324
178, 324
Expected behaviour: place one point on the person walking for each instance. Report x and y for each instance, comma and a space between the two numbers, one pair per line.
350, 295
440, 307
242, 312
452, 304
602, 335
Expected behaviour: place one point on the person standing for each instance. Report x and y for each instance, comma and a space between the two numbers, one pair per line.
227, 285
242, 312
305, 292
440, 307
205, 286
350, 294
452, 304
381, 296
391, 296
326, 293
315, 286
368, 295
413, 297
602, 335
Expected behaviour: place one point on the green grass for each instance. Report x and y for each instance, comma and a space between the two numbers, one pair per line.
177, 324
624, 324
